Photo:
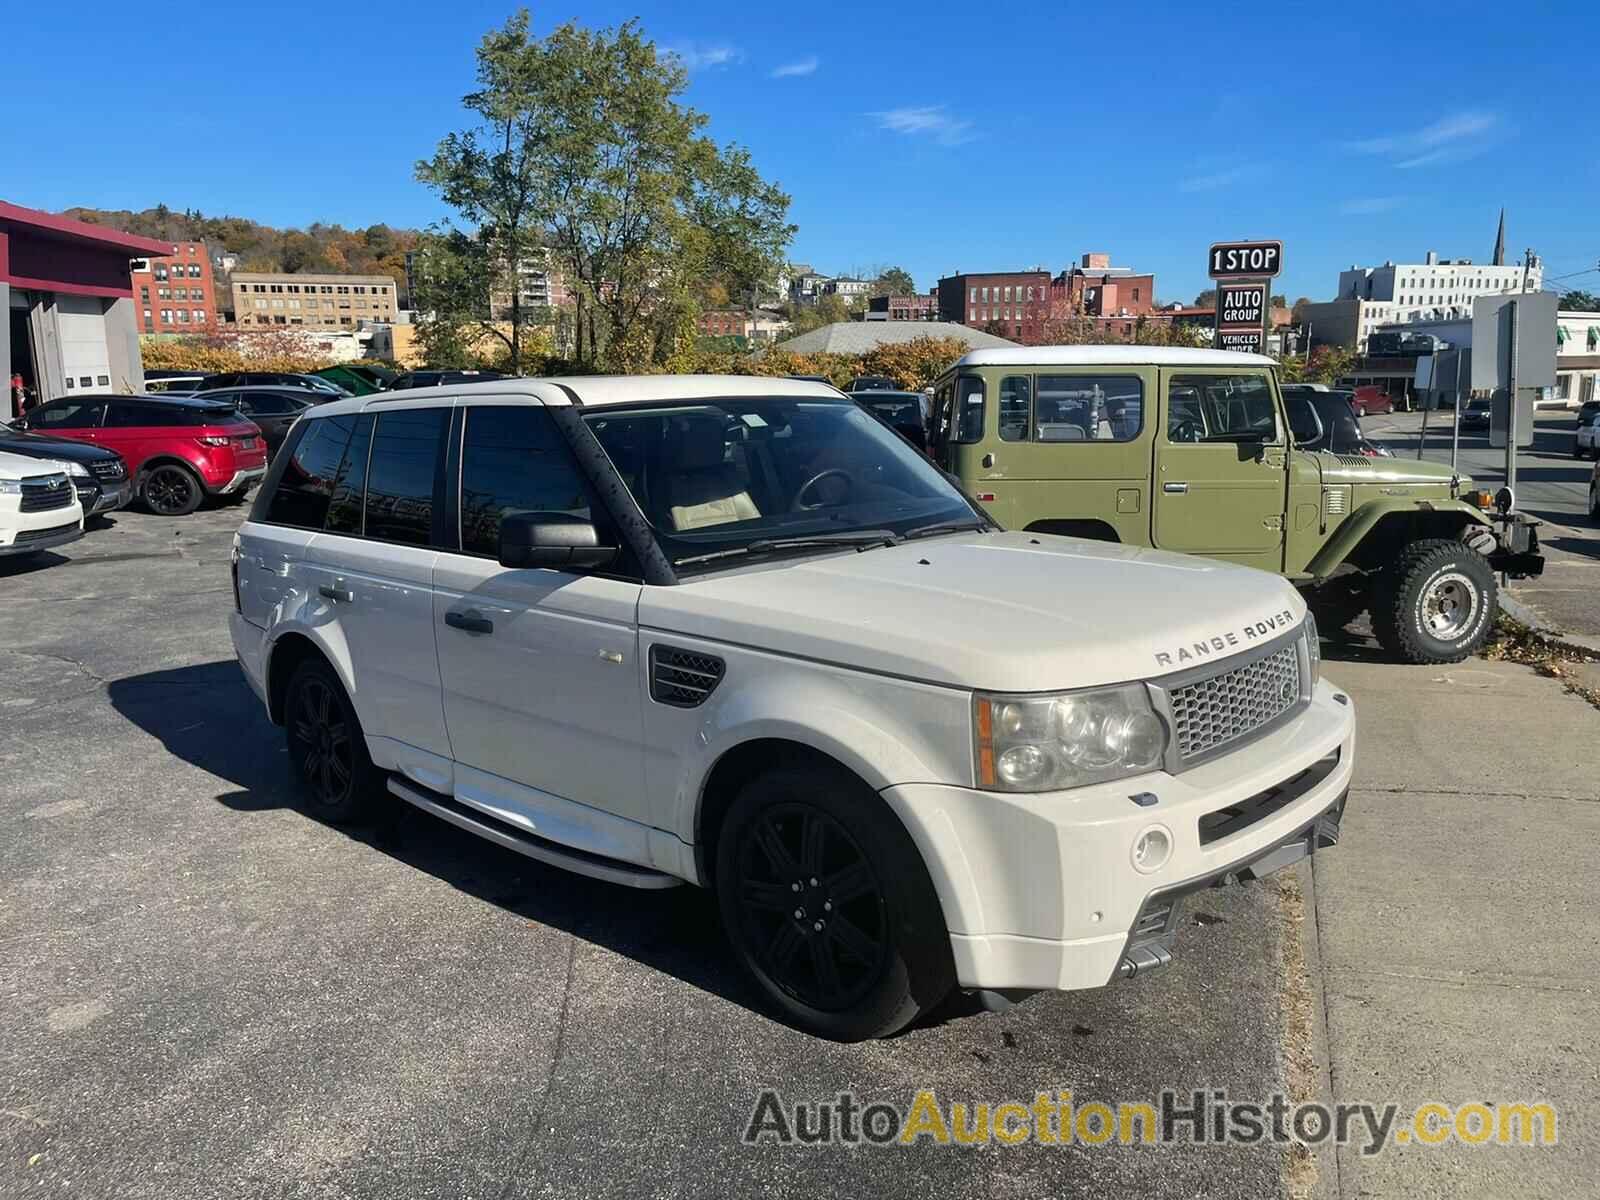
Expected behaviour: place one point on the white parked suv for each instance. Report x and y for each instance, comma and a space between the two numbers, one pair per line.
38, 505
736, 632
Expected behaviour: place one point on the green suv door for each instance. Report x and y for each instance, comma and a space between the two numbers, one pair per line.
1221, 467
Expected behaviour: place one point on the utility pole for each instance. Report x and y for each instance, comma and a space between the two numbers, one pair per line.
1527, 267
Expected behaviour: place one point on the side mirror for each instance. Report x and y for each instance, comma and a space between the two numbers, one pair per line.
552, 539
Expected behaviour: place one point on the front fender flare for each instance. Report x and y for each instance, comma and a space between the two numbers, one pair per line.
1367, 518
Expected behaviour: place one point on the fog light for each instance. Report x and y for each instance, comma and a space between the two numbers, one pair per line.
1022, 766
1152, 849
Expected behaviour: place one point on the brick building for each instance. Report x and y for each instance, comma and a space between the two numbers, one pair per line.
176, 293
312, 301
904, 308
1022, 304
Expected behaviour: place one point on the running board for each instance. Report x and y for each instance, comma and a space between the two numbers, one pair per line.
502, 834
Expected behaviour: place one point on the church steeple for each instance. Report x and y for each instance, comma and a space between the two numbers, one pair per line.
1500, 242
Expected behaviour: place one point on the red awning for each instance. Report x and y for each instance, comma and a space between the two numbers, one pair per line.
43, 224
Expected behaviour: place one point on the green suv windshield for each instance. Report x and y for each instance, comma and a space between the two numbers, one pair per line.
723, 478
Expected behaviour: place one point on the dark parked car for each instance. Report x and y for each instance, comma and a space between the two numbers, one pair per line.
274, 410
1326, 421
872, 383
99, 475
907, 412
179, 449
1476, 414
421, 379
272, 379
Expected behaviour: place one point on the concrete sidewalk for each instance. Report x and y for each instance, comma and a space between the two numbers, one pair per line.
1458, 922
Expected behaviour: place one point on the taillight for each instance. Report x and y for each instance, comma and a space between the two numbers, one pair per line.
212, 440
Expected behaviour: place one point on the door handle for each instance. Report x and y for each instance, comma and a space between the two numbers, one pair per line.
338, 595
1176, 488
472, 621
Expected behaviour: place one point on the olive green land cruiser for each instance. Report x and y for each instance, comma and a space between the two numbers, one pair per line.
1194, 451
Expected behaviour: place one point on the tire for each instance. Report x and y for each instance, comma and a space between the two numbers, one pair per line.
327, 750
1436, 604
170, 490
829, 905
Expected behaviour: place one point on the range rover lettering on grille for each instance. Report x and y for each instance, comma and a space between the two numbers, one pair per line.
1254, 632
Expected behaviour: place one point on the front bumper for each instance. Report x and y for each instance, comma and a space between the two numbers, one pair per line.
1041, 891
241, 481
23, 533
114, 494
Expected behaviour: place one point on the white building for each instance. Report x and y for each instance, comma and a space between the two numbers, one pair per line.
847, 289
1435, 289
1577, 356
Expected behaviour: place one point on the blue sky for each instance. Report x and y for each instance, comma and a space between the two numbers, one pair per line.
937, 136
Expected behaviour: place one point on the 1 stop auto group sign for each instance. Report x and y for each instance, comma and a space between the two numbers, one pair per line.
1244, 271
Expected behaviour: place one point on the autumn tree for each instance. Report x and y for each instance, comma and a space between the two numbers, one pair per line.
893, 281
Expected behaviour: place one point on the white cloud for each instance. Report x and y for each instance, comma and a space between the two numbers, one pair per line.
801, 66
1216, 180
695, 56
930, 120
1371, 205
1450, 139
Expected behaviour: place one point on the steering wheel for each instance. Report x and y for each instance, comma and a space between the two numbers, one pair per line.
797, 506
1186, 431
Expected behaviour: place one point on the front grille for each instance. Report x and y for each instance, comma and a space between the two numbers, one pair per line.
43, 493
683, 678
109, 468
25, 536
1210, 713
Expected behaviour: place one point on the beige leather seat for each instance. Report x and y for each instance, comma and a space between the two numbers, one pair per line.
701, 488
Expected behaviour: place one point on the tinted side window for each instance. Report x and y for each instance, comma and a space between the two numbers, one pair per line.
68, 414
268, 404
303, 491
401, 475
513, 460
969, 410
344, 509
134, 416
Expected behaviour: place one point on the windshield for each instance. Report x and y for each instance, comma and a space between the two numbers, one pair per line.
721, 476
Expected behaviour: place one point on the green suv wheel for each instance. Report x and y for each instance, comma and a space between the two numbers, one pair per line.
1436, 604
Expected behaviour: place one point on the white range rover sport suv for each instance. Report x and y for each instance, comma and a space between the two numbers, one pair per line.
736, 632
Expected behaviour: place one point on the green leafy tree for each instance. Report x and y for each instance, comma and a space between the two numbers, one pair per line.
894, 281
581, 143
451, 298
1206, 299
1580, 301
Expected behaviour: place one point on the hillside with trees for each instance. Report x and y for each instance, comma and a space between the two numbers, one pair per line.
375, 250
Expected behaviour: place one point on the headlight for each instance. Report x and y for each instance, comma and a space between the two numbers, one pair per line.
1313, 647
10, 487
78, 470
1066, 740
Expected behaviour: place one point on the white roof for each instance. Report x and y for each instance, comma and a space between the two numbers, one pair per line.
1112, 356
591, 390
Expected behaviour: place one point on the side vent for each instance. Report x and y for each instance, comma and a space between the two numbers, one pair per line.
683, 678
1333, 501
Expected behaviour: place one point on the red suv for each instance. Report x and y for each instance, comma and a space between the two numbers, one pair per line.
179, 449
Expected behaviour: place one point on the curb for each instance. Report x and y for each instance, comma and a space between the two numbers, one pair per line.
1330, 1177
1524, 615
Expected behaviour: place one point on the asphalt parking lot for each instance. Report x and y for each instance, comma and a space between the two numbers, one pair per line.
205, 993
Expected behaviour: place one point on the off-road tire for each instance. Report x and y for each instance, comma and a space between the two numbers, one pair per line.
336, 779
909, 969
1402, 593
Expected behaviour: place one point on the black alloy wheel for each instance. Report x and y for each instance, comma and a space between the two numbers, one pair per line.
828, 903
813, 907
322, 740
172, 491
327, 750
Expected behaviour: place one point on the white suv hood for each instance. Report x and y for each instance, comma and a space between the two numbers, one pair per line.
1006, 612
20, 466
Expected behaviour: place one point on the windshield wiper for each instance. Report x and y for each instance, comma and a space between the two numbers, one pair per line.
856, 539
970, 526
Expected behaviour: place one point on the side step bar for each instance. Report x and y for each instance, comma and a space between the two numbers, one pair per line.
499, 832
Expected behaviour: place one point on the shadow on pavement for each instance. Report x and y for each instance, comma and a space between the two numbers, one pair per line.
13, 565
678, 931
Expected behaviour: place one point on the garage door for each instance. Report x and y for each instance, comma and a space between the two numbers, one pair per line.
81, 328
